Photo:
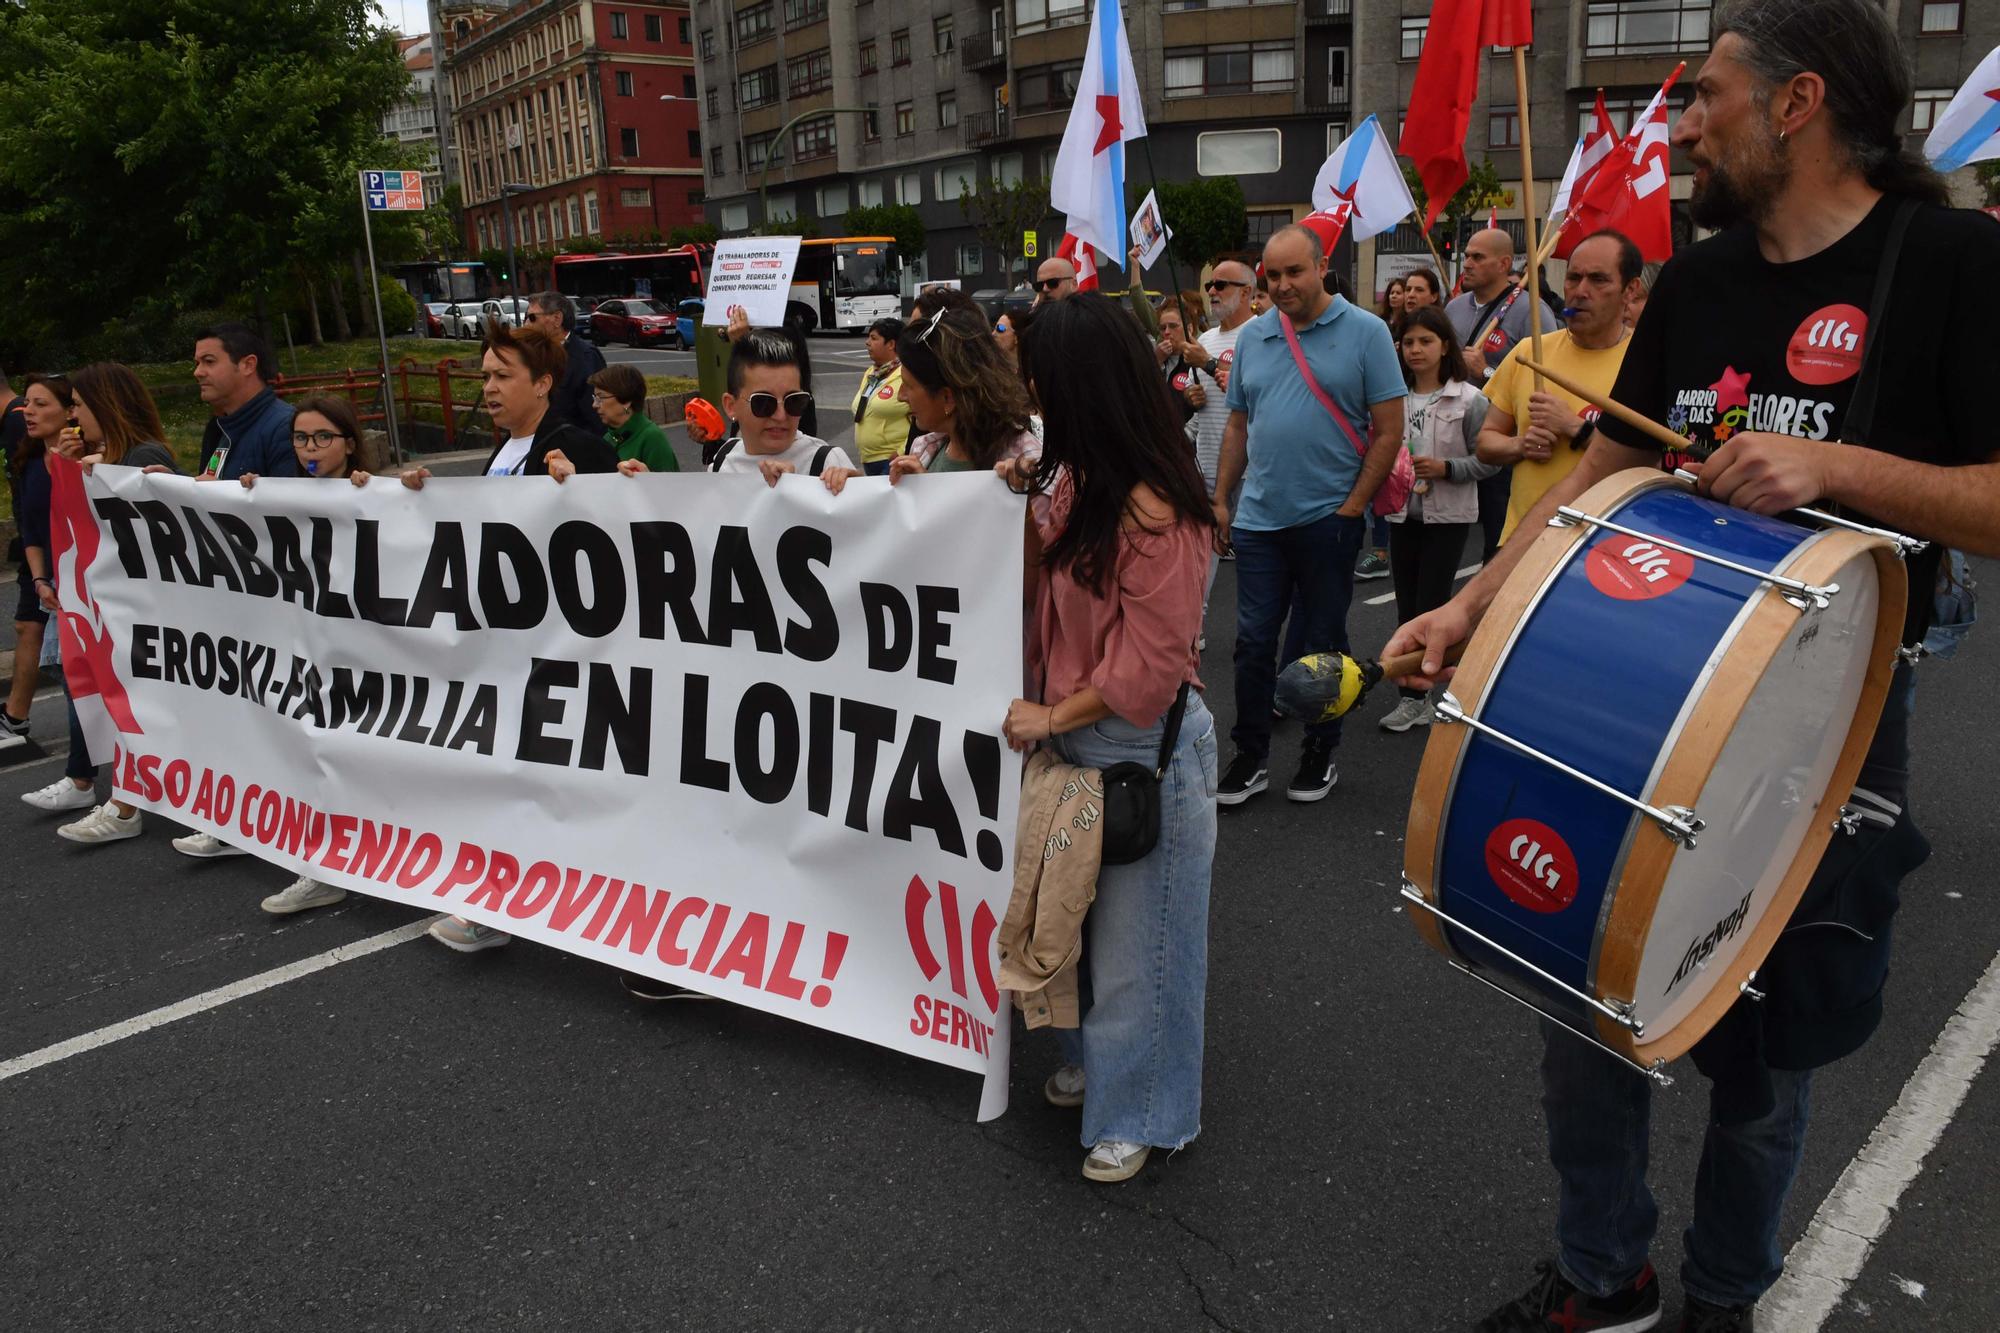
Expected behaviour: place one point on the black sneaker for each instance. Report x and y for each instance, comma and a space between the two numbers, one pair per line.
11, 725
1701, 1317
1554, 1302
1317, 773
1245, 777
652, 988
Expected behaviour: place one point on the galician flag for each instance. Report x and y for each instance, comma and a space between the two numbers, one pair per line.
1088, 185
1969, 129
1361, 184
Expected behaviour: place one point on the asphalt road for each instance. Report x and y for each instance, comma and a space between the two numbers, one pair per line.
421, 1140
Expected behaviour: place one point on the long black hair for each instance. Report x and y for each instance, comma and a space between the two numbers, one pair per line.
1109, 421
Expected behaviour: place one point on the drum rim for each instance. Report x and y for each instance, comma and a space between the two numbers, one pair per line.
1690, 759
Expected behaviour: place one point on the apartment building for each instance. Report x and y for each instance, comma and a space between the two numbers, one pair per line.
589, 105
413, 120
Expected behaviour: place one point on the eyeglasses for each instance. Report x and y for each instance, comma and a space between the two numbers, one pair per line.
1050, 284
766, 404
1217, 284
319, 439
599, 396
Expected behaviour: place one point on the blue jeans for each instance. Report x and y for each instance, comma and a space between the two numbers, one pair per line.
1145, 946
1311, 570
879, 468
1598, 1117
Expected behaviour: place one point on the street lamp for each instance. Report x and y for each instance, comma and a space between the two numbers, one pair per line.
782, 137
507, 221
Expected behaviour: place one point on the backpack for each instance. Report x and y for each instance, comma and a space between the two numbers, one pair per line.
818, 459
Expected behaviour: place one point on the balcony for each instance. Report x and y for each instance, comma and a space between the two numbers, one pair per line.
982, 50
983, 127
1321, 13
1327, 99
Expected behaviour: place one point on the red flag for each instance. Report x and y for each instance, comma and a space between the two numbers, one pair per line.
1493, 218
1080, 254
1441, 101
1506, 23
1628, 192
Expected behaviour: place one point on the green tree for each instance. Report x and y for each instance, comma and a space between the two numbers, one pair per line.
901, 221
1000, 213
1989, 180
1480, 191
698, 233
1206, 217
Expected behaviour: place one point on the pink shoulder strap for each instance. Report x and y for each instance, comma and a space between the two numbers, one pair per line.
1299, 356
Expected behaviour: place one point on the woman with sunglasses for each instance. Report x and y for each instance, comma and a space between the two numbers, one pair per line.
45, 404
117, 423
964, 397
1121, 556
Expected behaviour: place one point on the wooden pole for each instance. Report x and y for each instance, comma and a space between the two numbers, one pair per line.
1533, 276
1440, 270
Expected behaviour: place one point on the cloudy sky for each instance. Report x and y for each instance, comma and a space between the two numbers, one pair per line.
405, 16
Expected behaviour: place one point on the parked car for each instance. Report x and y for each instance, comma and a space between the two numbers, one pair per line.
433, 313
689, 312
585, 318
635, 320
465, 319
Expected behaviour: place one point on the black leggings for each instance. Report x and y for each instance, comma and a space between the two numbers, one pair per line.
1493, 496
1423, 564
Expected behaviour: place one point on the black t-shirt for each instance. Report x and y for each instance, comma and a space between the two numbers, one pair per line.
1732, 342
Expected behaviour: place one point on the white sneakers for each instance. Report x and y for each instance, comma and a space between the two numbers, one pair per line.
1408, 713
303, 893
103, 825
205, 845
62, 794
1114, 1160
1065, 1086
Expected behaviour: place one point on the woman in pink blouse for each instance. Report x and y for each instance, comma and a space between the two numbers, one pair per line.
1123, 556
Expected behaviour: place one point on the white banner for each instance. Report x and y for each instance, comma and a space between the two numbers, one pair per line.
742, 738
754, 272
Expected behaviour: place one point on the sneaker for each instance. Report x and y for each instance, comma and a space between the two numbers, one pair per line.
103, 825
1371, 565
1701, 1317
455, 932
1554, 1302
62, 794
1409, 713
1245, 777
1317, 773
652, 988
1065, 1086
11, 725
1114, 1160
205, 845
302, 894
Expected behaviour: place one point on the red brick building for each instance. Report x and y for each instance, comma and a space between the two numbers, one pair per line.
565, 97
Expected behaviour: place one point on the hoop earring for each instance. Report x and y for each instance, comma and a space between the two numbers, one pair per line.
1784, 136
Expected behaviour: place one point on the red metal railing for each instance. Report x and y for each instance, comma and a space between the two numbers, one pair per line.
452, 389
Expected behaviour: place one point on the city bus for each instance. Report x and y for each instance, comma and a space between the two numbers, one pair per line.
432, 280
847, 282
666, 276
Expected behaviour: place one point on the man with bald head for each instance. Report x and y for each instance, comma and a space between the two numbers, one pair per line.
1055, 280
1490, 316
1306, 489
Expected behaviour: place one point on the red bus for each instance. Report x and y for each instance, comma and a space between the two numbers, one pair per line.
666, 276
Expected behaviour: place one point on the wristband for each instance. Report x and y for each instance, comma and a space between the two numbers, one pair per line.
1582, 437
45, 579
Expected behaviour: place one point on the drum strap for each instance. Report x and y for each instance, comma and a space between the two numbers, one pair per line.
1860, 420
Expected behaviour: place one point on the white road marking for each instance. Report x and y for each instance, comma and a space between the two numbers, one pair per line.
221, 995
1836, 1246
1390, 596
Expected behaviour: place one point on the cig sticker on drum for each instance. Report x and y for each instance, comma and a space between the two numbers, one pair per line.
1532, 865
1633, 569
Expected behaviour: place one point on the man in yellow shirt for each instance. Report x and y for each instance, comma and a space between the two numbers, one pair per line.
881, 417
1541, 434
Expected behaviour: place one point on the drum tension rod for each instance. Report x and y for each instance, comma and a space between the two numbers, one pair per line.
1805, 596
1679, 822
1905, 545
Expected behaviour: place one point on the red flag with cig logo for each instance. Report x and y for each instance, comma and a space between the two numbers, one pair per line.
1629, 191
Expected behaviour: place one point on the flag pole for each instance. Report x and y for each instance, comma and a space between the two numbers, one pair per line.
1533, 276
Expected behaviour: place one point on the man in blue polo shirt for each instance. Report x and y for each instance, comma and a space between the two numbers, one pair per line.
1306, 490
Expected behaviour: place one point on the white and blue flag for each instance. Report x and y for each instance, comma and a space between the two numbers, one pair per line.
1088, 185
1969, 128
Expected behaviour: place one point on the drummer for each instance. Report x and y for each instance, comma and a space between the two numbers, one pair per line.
1798, 161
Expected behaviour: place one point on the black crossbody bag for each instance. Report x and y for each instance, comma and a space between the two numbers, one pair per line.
1132, 796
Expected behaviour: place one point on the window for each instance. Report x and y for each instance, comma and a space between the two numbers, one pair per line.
628, 142
1336, 76
871, 125
656, 28
957, 178
800, 12
947, 107
868, 57
971, 261
899, 47
1943, 18
1503, 126
681, 30
870, 193
1195, 71
1336, 130
782, 208
715, 160
906, 118
1929, 105
758, 87
1006, 168
1260, 223
694, 144
1035, 15
1644, 27
687, 85
624, 77
756, 149
714, 103
910, 188
1622, 111
707, 44
833, 200
1050, 87
575, 212
810, 74
753, 24
813, 138
642, 197
1238, 152
942, 35
736, 217
1413, 36
619, 28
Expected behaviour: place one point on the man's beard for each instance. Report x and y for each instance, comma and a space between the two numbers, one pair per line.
1745, 190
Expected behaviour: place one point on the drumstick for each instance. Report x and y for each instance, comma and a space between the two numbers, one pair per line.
1606, 403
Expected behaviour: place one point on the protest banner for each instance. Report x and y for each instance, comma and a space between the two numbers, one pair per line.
739, 737
754, 272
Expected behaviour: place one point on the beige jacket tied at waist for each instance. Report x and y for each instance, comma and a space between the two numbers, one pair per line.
1055, 879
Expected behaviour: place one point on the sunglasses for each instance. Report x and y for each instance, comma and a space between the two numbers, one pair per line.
1050, 284
1218, 284
766, 404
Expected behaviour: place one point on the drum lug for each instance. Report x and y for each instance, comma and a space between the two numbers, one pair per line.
1685, 826
1848, 821
1747, 990
1812, 598
1912, 653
